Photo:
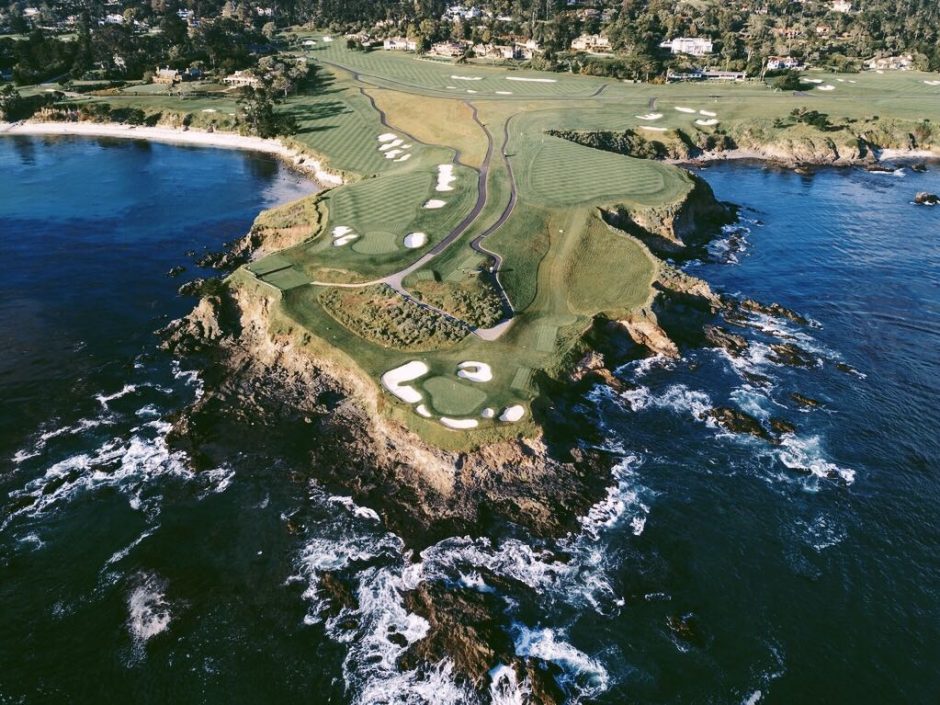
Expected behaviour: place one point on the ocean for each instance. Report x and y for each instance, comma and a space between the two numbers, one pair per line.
718, 569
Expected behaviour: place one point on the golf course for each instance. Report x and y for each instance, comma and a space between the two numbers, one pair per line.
467, 253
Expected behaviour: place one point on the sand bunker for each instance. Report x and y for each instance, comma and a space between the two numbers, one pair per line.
392, 381
404, 158
488, 413
685, 110
650, 116
453, 88
344, 240
469, 91
706, 123
388, 137
342, 235
475, 371
423, 411
390, 145
209, 110
929, 83
434, 204
810, 80
531, 80
707, 113
511, 414
341, 230
414, 240
459, 424
503, 92
393, 153
827, 87
445, 177
467, 78
648, 128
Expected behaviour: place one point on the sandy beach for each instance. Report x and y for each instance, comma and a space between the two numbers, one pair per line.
201, 138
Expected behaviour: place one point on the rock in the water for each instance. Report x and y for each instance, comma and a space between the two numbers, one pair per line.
781, 426
720, 338
773, 309
176, 271
465, 628
919, 167
805, 401
738, 421
791, 354
926, 199
686, 627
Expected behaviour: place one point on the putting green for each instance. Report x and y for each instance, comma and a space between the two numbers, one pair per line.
376, 242
448, 396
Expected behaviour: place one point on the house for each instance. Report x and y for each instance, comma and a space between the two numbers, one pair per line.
823, 30
891, 63
241, 79
495, 51
776, 63
594, 43
695, 46
459, 12
400, 44
114, 19
360, 38
841, 6
449, 50
167, 76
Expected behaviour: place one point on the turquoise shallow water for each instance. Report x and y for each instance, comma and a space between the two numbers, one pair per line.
806, 572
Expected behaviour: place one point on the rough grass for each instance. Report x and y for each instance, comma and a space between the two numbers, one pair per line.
435, 121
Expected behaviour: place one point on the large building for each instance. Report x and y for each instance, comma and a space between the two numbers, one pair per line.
597, 43
695, 46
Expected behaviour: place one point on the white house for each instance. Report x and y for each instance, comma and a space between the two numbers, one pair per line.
400, 44
695, 46
891, 63
591, 42
775, 63
240, 79
841, 6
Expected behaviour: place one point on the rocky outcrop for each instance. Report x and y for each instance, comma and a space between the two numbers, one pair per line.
643, 327
672, 227
926, 199
464, 628
718, 337
677, 283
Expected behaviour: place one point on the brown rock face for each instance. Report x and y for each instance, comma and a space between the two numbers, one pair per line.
644, 329
720, 338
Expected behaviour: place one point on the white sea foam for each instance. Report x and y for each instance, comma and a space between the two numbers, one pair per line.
805, 454
581, 672
505, 688
148, 610
350, 505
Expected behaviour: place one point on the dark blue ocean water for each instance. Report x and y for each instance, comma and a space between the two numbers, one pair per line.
718, 570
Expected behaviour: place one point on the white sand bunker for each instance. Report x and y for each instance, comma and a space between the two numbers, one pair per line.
453, 88
403, 158
685, 110
434, 204
423, 411
467, 78
707, 113
827, 87
475, 371
648, 128
488, 413
391, 154
393, 379
810, 80
650, 116
503, 92
470, 91
929, 83
531, 80
459, 424
343, 235
388, 137
390, 145
209, 110
445, 177
706, 123
415, 240
511, 414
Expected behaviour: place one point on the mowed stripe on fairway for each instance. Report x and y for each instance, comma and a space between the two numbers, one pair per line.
564, 173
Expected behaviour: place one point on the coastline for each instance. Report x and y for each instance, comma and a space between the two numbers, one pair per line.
189, 137
882, 157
